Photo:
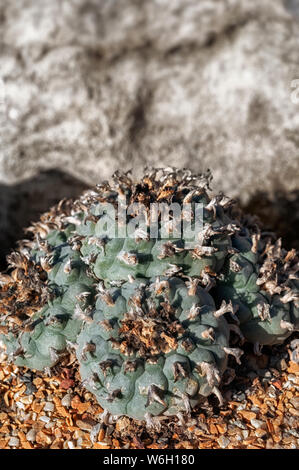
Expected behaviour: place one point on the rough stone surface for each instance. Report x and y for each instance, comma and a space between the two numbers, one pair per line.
89, 86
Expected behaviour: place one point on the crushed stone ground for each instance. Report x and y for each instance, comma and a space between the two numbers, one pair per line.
261, 411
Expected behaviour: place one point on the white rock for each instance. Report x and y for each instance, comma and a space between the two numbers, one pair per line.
218, 89
258, 423
14, 442
30, 436
223, 442
49, 407
66, 400
45, 419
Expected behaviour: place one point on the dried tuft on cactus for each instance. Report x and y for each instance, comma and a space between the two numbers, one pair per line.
143, 281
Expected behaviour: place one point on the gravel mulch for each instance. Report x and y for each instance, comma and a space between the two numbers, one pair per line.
261, 411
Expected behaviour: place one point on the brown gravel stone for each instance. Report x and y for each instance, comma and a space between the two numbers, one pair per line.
247, 414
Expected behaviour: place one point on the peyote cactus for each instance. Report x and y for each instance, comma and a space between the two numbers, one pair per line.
153, 346
261, 282
135, 299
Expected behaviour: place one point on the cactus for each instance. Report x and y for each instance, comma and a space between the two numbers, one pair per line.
148, 314
154, 346
261, 282
41, 339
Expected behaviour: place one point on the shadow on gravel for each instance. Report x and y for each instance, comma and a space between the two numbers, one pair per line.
278, 214
23, 203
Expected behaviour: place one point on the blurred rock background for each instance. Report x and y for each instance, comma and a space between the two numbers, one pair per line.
91, 86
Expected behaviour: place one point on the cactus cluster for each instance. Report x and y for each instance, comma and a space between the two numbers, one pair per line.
149, 317
261, 282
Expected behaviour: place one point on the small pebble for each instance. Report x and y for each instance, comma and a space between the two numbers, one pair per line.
255, 409
25, 378
31, 435
109, 430
44, 419
163, 440
257, 423
260, 432
94, 432
14, 442
20, 405
239, 424
27, 400
292, 378
49, 425
295, 402
49, 406
239, 396
83, 425
223, 442
241, 407
30, 388
267, 374
66, 400
275, 372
